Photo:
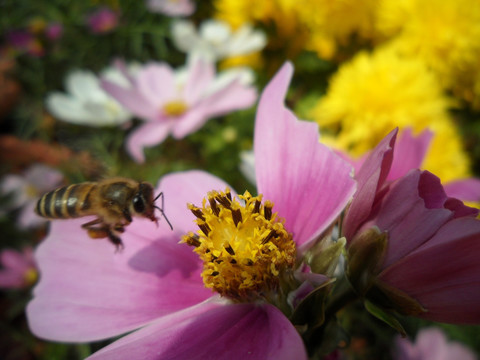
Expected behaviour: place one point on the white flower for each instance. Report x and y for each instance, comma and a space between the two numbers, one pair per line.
171, 7
215, 39
86, 103
24, 191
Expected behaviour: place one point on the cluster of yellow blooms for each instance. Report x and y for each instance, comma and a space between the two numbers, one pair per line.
422, 50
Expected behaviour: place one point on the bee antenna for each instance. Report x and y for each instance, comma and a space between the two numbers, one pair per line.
161, 209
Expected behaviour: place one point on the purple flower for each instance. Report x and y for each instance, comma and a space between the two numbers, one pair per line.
157, 287
429, 267
25, 42
54, 31
102, 20
26, 189
431, 344
19, 269
178, 103
172, 7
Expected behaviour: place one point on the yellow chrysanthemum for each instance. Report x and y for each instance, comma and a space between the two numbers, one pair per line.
322, 26
374, 93
444, 33
333, 23
276, 15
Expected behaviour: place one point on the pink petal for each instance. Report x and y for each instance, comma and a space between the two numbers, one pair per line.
201, 74
27, 217
131, 99
191, 121
182, 188
146, 135
308, 183
234, 96
444, 273
409, 153
13, 260
370, 178
240, 331
466, 189
88, 292
156, 82
411, 212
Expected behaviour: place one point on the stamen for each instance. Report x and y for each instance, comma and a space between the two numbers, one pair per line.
196, 211
269, 237
191, 239
230, 250
237, 216
205, 228
256, 207
213, 206
244, 247
267, 210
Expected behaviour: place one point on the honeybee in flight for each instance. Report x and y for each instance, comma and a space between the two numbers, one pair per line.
114, 201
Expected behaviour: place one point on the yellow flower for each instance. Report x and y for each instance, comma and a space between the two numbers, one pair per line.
322, 26
444, 33
333, 23
374, 93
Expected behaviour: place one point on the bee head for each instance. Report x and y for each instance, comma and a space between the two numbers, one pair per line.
143, 203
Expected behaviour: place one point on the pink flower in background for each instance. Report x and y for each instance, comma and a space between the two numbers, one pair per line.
26, 189
431, 344
172, 7
18, 269
177, 102
23, 41
410, 152
54, 31
154, 287
433, 240
102, 21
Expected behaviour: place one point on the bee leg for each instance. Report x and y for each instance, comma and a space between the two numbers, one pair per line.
96, 232
126, 215
115, 240
90, 223
119, 228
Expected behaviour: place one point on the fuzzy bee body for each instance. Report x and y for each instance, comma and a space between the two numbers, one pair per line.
114, 202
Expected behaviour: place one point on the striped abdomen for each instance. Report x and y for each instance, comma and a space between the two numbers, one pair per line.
66, 202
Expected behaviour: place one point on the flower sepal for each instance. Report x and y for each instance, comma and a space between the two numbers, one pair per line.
385, 316
310, 312
390, 298
364, 258
323, 257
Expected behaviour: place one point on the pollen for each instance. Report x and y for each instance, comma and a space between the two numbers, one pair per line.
175, 108
244, 247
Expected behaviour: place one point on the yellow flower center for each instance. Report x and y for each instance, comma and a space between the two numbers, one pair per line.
175, 108
245, 248
30, 276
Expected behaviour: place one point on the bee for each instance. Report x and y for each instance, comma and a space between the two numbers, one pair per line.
114, 201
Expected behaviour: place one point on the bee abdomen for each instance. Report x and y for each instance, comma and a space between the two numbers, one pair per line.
65, 202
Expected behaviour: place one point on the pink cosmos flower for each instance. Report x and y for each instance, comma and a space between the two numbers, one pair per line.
431, 344
26, 189
154, 287
178, 103
172, 7
102, 20
433, 240
410, 152
19, 269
